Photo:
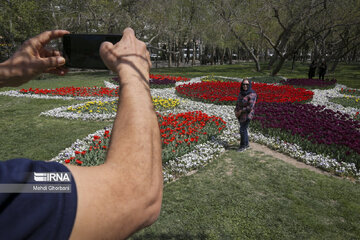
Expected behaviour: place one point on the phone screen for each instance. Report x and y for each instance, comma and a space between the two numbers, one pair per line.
82, 50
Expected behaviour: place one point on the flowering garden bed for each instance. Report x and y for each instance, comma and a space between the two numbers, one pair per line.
179, 135
314, 128
348, 101
159, 81
310, 83
227, 92
74, 92
311, 134
106, 107
349, 91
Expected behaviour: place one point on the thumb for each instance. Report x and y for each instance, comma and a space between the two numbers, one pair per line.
106, 50
107, 55
52, 62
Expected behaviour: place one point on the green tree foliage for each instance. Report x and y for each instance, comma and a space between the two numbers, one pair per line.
272, 30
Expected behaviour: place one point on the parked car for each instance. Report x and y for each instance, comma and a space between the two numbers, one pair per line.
154, 56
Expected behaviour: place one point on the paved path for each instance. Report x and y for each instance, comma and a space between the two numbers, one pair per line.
261, 148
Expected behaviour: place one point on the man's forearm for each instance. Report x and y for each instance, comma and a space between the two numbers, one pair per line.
11, 76
128, 190
135, 130
135, 142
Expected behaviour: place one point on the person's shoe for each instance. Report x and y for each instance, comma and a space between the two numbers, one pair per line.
242, 149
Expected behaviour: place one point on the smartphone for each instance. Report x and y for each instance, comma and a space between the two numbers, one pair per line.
82, 50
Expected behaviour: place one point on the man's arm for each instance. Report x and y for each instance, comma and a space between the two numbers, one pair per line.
124, 194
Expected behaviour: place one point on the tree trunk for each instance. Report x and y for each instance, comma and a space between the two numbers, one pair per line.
293, 62
333, 67
212, 55
273, 59
278, 67
169, 54
222, 53
266, 55
253, 57
257, 63
354, 55
194, 53
177, 57
230, 57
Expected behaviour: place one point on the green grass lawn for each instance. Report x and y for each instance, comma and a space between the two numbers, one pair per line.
254, 196
26, 134
238, 196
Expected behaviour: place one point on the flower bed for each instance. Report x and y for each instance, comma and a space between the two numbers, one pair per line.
203, 153
311, 83
74, 92
162, 77
314, 128
159, 81
227, 92
349, 91
179, 134
357, 116
105, 107
348, 101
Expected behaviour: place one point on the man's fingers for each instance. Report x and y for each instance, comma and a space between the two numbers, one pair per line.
50, 53
44, 38
52, 62
128, 33
128, 37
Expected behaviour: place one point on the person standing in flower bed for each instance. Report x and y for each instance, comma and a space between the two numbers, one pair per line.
322, 69
312, 69
110, 201
244, 111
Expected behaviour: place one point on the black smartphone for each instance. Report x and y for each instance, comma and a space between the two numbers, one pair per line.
82, 50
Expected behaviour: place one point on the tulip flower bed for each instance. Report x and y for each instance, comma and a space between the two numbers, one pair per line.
159, 81
227, 92
74, 92
357, 116
348, 101
180, 133
349, 91
314, 128
161, 77
154, 82
162, 83
104, 107
311, 83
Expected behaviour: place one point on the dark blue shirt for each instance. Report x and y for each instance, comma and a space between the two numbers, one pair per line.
35, 215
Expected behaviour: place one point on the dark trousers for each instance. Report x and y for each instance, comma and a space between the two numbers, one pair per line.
244, 133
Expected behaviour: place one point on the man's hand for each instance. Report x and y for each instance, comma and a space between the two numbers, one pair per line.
129, 57
32, 59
